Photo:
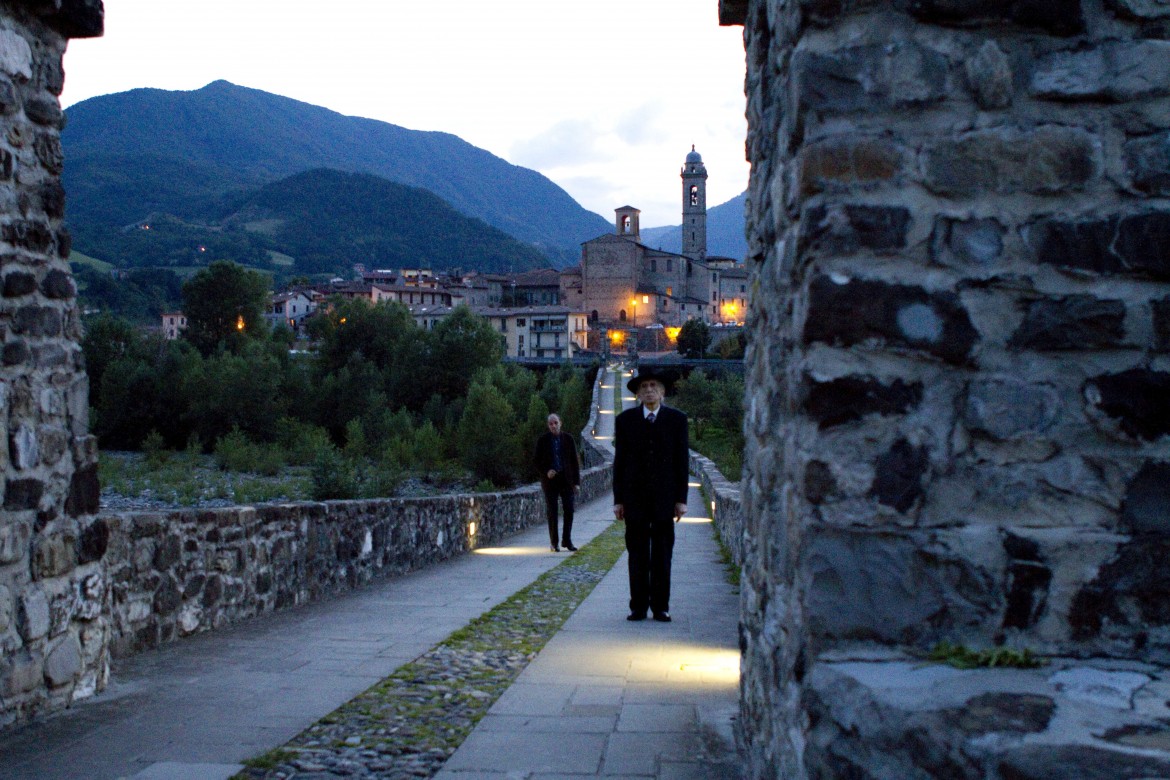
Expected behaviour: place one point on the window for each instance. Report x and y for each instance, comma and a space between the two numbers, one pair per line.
743, 288
521, 322
622, 315
593, 315
669, 265
670, 291
694, 195
713, 297
653, 265
520, 341
714, 278
690, 268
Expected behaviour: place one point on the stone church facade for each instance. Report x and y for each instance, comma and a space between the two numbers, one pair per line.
622, 283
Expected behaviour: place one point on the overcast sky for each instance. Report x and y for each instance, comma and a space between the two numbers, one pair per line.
605, 97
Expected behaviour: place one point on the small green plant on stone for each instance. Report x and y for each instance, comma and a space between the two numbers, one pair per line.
963, 657
269, 760
154, 449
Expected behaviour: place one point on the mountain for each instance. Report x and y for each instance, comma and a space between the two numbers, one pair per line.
725, 231
148, 151
322, 221
328, 219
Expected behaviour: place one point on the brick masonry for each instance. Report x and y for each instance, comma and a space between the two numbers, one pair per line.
957, 374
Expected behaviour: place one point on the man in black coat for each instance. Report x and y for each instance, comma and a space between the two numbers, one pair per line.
560, 477
650, 474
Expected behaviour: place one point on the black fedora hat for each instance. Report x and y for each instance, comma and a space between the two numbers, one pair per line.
646, 373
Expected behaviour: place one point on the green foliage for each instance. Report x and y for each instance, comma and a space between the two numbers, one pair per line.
462, 344
693, 339
332, 477
224, 306
140, 295
236, 452
963, 657
301, 441
487, 435
715, 410
153, 449
696, 396
732, 348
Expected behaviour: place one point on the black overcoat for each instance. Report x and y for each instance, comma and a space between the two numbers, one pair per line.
570, 466
651, 463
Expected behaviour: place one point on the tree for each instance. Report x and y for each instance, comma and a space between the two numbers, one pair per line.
461, 344
695, 395
693, 339
224, 304
487, 435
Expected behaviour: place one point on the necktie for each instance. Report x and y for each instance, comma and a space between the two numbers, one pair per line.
650, 417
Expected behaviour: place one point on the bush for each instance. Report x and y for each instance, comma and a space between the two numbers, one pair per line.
332, 477
301, 441
154, 449
235, 452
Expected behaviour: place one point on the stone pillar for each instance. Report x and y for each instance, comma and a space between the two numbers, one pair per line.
959, 381
53, 637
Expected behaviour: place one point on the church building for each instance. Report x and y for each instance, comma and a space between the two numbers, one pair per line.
623, 283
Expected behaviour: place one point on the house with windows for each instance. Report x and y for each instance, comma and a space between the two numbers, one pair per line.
555, 332
290, 308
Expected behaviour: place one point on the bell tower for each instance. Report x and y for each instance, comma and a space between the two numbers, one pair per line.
694, 207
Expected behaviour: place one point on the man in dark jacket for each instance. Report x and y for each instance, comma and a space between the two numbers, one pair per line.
650, 469
560, 477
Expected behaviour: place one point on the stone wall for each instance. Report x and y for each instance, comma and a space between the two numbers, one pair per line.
183, 572
724, 506
52, 624
958, 372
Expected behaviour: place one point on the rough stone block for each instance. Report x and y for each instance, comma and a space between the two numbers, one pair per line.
20, 673
989, 74
168, 597
850, 398
960, 243
1073, 322
1059, 17
1135, 399
48, 150
63, 664
169, 552
79, 18
870, 78
6, 608
1085, 762
94, 541
845, 228
1006, 408
1138, 243
1114, 71
898, 475
52, 195
1148, 162
33, 236
84, 492
19, 283
854, 311
1048, 159
844, 163
55, 555
58, 285
1161, 313
1126, 600
893, 588
9, 99
16, 57
819, 482
33, 614
21, 494
37, 321
1027, 593
1147, 500
1140, 9
14, 538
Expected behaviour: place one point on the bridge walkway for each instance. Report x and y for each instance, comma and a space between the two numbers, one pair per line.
605, 697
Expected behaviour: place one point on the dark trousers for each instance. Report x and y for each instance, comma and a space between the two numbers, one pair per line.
651, 546
558, 487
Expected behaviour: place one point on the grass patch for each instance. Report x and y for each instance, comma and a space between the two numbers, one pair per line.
426, 708
269, 760
963, 657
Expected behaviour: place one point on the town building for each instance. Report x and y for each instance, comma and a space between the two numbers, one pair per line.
290, 308
553, 332
622, 283
173, 324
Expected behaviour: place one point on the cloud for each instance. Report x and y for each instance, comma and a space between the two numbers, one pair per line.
565, 144
642, 125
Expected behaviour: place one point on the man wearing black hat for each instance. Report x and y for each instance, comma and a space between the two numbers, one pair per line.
650, 469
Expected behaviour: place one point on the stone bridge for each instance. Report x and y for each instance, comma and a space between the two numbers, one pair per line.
957, 378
